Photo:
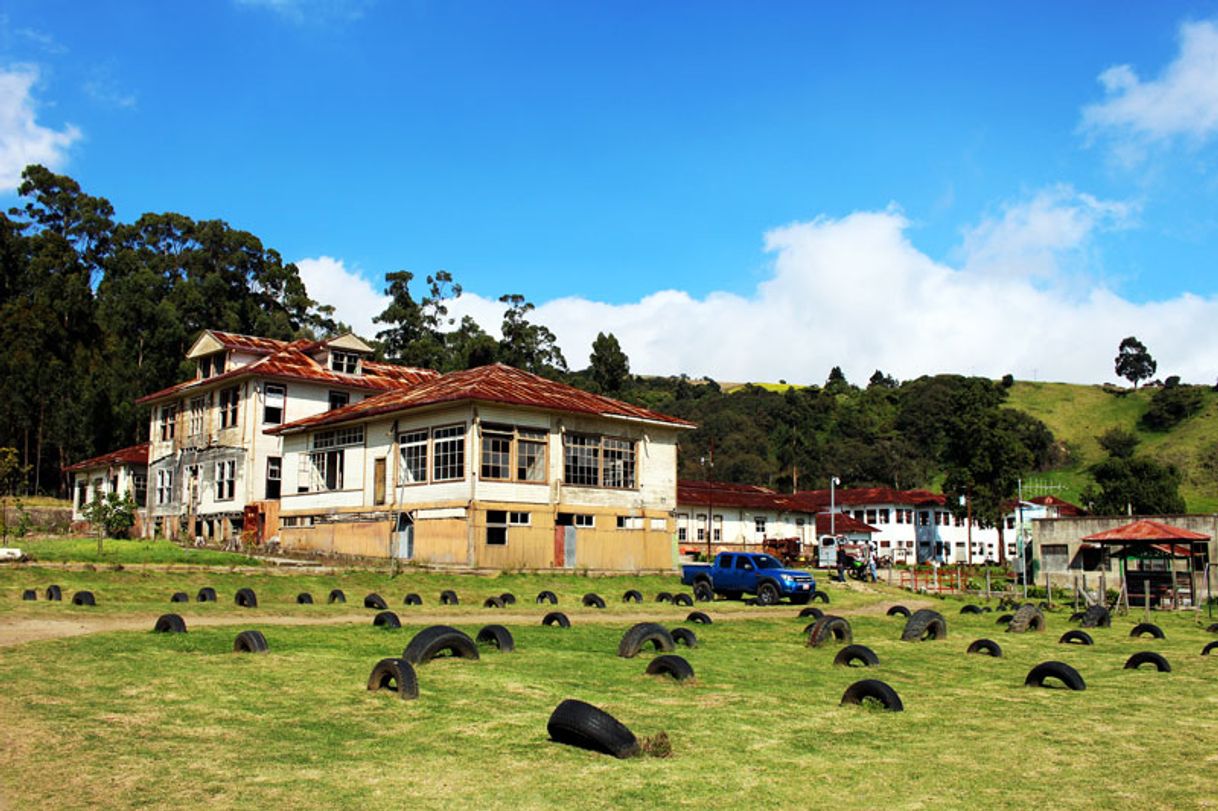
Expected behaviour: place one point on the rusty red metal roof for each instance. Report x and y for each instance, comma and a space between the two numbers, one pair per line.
841, 522
134, 455
247, 343
1145, 530
293, 362
725, 494
817, 500
496, 383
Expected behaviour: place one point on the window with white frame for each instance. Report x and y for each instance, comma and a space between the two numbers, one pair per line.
274, 396
496, 527
345, 362
198, 409
414, 457
530, 455
164, 487
226, 480
168, 422
274, 477
338, 399
619, 463
230, 399
575, 520
518, 519
630, 522
511, 453
682, 526
700, 521
870, 516
323, 470
497, 452
139, 483
759, 525
717, 528
598, 461
448, 453
339, 438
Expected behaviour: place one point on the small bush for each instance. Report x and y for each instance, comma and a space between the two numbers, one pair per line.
1171, 406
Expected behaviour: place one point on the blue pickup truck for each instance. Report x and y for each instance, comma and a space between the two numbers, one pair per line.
736, 573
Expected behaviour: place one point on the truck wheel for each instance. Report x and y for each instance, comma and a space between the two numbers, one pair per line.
704, 592
768, 594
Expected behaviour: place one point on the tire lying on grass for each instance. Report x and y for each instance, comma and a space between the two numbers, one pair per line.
336, 596
1004, 619
642, 634
632, 596
663, 597
1027, 618
873, 689
83, 598
682, 599
699, 618
386, 619
508, 598
29, 594
556, 618
493, 602
971, 609
1076, 637
684, 636
170, 624
670, 665
820, 595
304, 598
396, 676
546, 597
898, 609
54, 593
180, 597
412, 599
375, 602
1077, 616
498, 636
437, 640
704, 592
829, 629
1147, 628
593, 601
206, 595
1097, 616
246, 598
924, 624
250, 642
1209, 647
1055, 670
811, 611
847, 656
986, 646
449, 597
1212, 628
577, 723
1148, 657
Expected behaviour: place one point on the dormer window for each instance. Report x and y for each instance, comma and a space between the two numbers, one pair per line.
345, 362
211, 365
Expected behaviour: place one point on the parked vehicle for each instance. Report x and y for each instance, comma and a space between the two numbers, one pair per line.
733, 574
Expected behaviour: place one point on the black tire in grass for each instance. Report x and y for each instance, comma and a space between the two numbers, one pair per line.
498, 636
1209, 647
1148, 657
1097, 616
577, 723
556, 618
29, 594
1147, 628
438, 640
493, 602
206, 595
508, 598
449, 597
387, 620
304, 598
670, 665
336, 596
699, 618
83, 598
1055, 670
811, 611
971, 609
924, 624
684, 636
1027, 618
821, 596
1077, 616
663, 597
829, 629
683, 600
395, 676
1212, 628
375, 602
1076, 637
246, 598
593, 601
1004, 619
632, 596
54, 593
645, 633
898, 609
875, 690
546, 597
987, 647
412, 599
847, 656
170, 624
704, 592
180, 597
250, 642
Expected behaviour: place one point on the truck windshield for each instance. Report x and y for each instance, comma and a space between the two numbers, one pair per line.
767, 562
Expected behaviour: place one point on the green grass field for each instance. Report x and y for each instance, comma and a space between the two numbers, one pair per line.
84, 550
135, 719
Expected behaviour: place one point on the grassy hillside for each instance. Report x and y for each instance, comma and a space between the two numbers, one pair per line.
1078, 414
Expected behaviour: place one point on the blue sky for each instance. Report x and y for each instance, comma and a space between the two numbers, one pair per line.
708, 181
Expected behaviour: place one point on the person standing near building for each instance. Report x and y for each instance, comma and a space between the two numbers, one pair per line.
872, 552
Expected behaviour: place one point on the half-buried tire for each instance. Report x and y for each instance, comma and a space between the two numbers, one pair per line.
852, 654
821, 596
1076, 637
1147, 628
170, 624
632, 596
449, 597
250, 642
29, 594
684, 636
83, 598
811, 611
682, 599
1027, 618
556, 618
699, 618
577, 723
1055, 670
704, 592
898, 609
206, 595
54, 593
1211, 646
875, 690
546, 597
971, 609
396, 676
1004, 619
508, 598
387, 620
375, 602
829, 629
1097, 616
593, 601
663, 597
304, 598
336, 596
1077, 616
986, 646
1212, 628
439, 640
412, 599
497, 636
924, 624
670, 665
180, 597
246, 598
645, 633
493, 602
1148, 657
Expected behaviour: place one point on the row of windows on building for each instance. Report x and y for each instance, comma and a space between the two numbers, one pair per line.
899, 515
274, 402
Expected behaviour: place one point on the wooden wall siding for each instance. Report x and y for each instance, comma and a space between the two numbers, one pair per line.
365, 539
441, 540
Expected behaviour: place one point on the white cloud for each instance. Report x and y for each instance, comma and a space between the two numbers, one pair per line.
355, 299
22, 139
854, 291
1181, 102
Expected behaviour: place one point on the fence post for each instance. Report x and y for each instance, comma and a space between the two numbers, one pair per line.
934, 570
1048, 591
1076, 594
987, 584
959, 580
1146, 600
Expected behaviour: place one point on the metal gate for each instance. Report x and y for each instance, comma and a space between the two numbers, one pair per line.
402, 542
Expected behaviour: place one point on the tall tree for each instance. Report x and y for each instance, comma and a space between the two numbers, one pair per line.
417, 332
610, 366
525, 345
1137, 485
1133, 361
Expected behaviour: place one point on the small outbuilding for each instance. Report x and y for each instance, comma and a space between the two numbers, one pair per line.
1158, 561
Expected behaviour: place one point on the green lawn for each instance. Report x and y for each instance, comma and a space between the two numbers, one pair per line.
135, 719
84, 550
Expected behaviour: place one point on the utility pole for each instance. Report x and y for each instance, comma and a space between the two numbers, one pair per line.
708, 467
834, 481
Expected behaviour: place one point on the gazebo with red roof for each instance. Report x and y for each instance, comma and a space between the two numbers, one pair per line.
1150, 541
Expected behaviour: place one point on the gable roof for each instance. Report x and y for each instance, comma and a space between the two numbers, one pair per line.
841, 523
496, 383
815, 500
1146, 530
212, 340
134, 455
726, 494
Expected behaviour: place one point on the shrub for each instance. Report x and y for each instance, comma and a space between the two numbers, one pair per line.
1172, 405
